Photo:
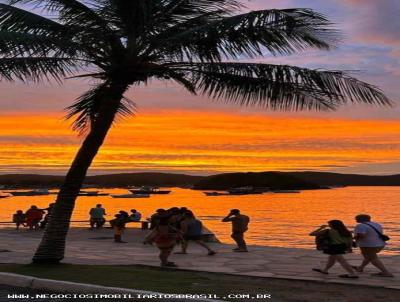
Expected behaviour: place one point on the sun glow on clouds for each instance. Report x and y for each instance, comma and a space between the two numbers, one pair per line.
200, 142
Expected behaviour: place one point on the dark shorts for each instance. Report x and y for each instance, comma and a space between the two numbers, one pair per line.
192, 238
336, 249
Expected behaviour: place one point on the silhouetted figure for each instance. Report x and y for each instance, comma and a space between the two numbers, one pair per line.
338, 240
165, 237
19, 219
97, 217
33, 217
135, 216
155, 218
45, 221
240, 224
191, 229
119, 225
371, 240
124, 214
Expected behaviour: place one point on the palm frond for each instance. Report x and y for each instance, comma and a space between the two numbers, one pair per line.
85, 109
15, 44
181, 78
280, 87
36, 68
212, 36
14, 19
71, 12
155, 15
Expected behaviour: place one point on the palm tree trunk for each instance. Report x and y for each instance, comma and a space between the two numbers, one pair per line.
52, 246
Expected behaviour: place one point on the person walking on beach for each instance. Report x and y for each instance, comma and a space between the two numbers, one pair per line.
240, 224
192, 231
371, 240
97, 216
338, 240
155, 218
165, 236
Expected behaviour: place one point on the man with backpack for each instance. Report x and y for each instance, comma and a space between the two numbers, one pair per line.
371, 240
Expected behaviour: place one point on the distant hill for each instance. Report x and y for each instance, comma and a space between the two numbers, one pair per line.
278, 180
143, 179
30, 180
274, 180
110, 180
337, 179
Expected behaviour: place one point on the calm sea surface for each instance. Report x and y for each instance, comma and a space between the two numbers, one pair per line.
276, 219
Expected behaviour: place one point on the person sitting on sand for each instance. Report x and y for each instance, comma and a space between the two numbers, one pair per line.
369, 237
165, 237
338, 242
135, 216
191, 229
239, 227
97, 216
33, 217
19, 219
119, 225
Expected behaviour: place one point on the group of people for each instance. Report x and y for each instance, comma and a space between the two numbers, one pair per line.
336, 240
118, 223
179, 226
34, 218
170, 227
175, 226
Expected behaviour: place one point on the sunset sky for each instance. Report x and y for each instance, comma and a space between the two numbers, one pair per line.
174, 131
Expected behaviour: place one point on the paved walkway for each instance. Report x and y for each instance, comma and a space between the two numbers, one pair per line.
96, 247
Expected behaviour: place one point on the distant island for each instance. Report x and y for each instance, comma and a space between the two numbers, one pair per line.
274, 180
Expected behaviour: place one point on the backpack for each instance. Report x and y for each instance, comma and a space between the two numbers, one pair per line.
323, 241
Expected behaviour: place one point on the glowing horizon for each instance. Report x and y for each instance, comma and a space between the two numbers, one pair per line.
211, 142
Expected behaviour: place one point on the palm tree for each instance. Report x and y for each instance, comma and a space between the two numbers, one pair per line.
199, 44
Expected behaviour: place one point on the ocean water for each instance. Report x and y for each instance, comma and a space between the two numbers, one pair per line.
282, 219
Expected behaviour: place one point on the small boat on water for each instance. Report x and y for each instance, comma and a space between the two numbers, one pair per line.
148, 190
92, 193
36, 192
215, 193
130, 195
249, 190
286, 191
243, 191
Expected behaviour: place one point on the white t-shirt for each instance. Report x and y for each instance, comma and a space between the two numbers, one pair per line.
371, 237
